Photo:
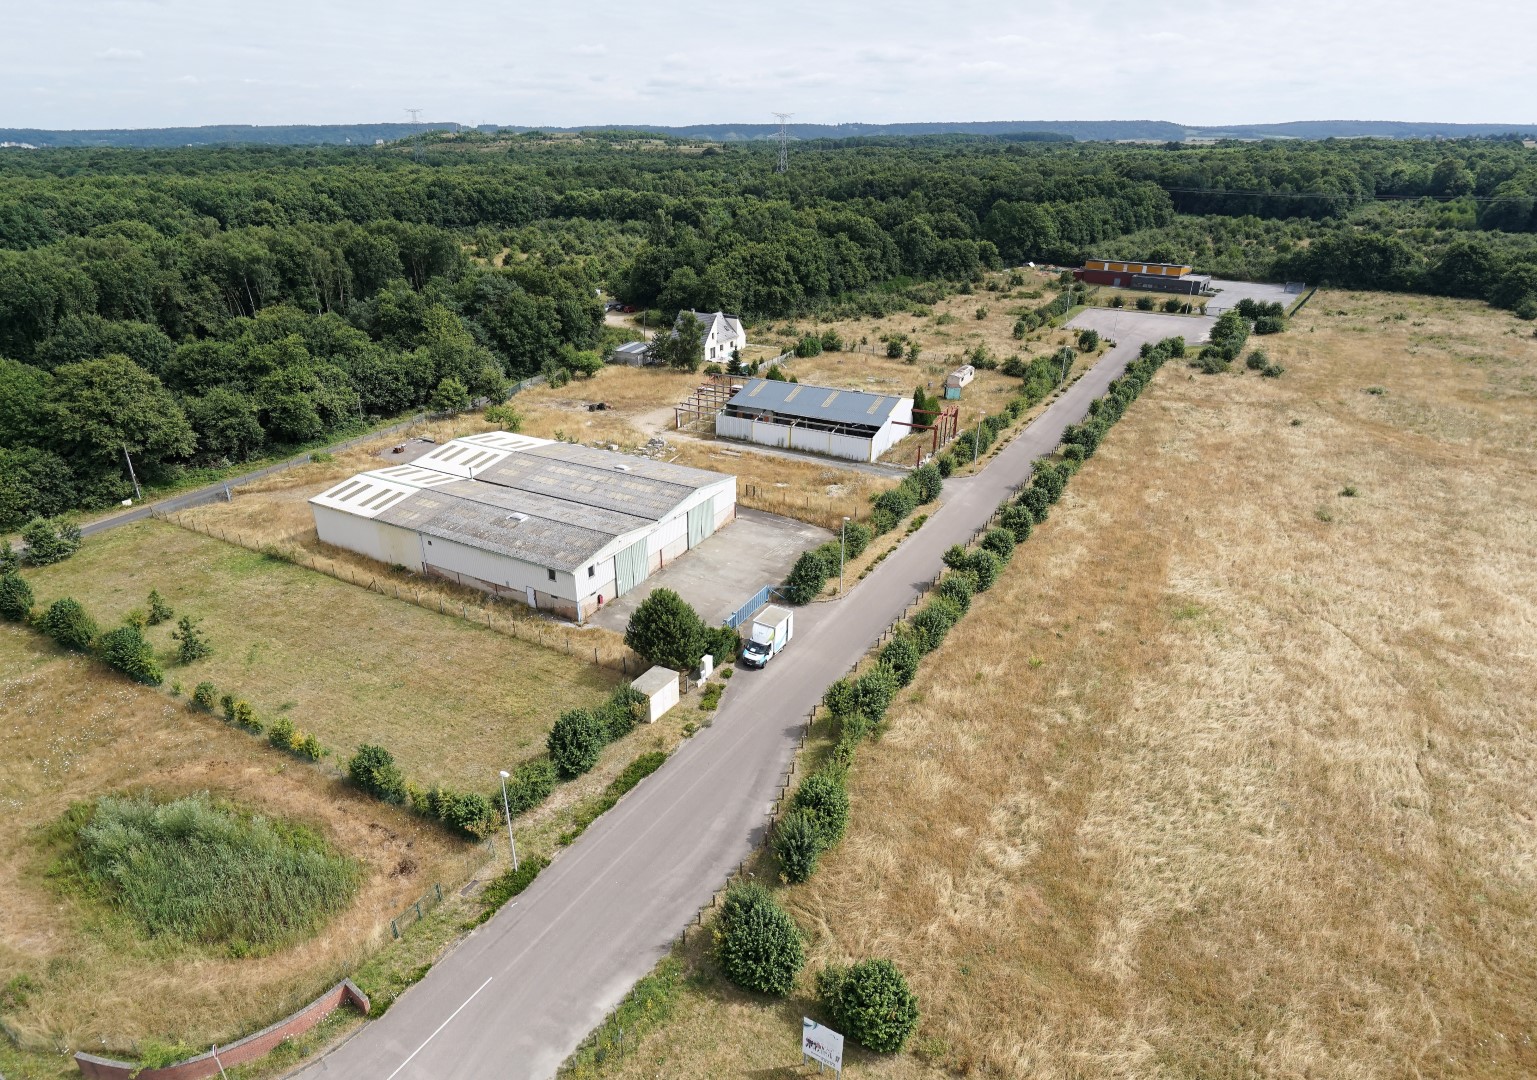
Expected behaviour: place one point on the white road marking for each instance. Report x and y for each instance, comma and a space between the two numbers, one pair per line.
441, 1026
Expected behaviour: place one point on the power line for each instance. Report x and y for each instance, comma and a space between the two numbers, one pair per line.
784, 141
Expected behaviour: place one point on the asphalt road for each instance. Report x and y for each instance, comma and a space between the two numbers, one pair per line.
516, 997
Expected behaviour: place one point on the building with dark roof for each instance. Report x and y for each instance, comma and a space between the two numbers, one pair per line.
562, 527
852, 424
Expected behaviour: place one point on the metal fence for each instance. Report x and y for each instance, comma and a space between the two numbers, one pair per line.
414, 913
747, 610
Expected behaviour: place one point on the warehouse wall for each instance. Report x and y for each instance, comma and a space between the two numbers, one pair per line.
389, 544
894, 429
807, 439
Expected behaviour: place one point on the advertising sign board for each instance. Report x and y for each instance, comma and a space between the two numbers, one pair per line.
821, 1044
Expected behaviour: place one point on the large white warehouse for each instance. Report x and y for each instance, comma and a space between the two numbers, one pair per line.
562, 527
850, 424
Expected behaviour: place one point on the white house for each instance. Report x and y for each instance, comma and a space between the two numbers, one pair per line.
562, 527
722, 334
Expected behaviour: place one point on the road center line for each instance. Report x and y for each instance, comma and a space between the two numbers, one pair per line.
441, 1026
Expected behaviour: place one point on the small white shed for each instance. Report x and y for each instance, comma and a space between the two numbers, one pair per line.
961, 376
659, 686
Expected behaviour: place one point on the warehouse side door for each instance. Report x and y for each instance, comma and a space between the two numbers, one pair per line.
701, 519
630, 567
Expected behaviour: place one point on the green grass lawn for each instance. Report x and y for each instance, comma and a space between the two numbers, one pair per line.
452, 701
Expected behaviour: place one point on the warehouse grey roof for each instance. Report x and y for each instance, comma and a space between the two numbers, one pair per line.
802, 400
554, 504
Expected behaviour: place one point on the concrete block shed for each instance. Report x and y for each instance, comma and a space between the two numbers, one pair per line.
561, 527
659, 687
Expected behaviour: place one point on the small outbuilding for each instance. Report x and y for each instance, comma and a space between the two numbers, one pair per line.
852, 424
633, 353
659, 687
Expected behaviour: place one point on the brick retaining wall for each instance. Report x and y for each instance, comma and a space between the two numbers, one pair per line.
237, 1053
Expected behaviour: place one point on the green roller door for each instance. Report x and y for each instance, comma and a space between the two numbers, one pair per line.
630, 567
700, 518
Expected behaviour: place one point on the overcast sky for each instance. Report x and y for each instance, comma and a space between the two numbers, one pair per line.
154, 63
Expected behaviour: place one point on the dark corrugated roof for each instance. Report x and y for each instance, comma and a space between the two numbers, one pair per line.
815, 402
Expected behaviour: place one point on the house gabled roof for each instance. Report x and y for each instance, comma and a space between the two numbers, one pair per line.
727, 325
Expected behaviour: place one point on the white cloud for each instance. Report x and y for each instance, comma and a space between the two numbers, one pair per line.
120, 55
590, 50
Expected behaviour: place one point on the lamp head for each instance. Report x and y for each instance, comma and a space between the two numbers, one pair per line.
505, 774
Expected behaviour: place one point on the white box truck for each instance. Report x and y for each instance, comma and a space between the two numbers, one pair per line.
772, 629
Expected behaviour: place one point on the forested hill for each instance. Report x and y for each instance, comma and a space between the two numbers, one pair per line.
202, 307
1044, 130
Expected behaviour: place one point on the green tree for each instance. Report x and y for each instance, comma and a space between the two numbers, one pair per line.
1088, 340
757, 944
807, 577
664, 630
15, 597
902, 657
191, 644
798, 841
575, 741
67, 623
451, 396
99, 407
126, 650
159, 610
825, 796
871, 1003
875, 690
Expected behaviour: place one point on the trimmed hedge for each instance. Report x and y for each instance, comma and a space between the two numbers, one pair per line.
757, 944
871, 1003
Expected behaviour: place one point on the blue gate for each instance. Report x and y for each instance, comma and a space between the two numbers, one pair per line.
746, 611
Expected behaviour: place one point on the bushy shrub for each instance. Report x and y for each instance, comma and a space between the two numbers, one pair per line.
902, 657
831, 342
624, 709
530, 784
933, 622
757, 944
50, 540
575, 742
810, 345
841, 699
722, 643
958, 587
894, 349
506, 417
1256, 360
898, 502
666, 631
825, 796
1212, 362
1269, 324
10, 558
16, 598
281, 732
1228, 335
1172, 306
1037, 501
871, 1003
307, 747
1144, 303
204, 696
469, 812
807, 577
1018, 520
373, 769
158, 611
874, 691
955, 557
797, 843
926, 482
1088, 340
67, 623
243, 716
856, 538
125, 650
1000, 542
986, 566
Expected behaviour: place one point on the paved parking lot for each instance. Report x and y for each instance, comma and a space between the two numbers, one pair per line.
721, 574
1125, 326
1230, 292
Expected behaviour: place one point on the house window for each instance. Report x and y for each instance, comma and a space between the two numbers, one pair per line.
592, 571
551, 573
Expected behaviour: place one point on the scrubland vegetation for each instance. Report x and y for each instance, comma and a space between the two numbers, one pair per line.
1200, 759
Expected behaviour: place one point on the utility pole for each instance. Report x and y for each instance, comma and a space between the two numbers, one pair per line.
784, 141
137, 494
507, 810
843, 531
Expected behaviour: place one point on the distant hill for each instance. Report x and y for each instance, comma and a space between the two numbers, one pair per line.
1044, 130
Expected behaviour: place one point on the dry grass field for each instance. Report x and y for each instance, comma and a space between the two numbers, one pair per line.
74, 731
452, 701
1233, 773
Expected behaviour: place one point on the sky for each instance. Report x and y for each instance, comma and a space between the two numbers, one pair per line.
163, 63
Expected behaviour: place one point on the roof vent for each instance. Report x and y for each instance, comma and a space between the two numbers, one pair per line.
622, 468
517, 517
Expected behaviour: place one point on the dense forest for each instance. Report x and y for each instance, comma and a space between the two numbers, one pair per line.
199, 308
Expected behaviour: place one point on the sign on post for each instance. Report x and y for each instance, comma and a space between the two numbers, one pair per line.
821, 1044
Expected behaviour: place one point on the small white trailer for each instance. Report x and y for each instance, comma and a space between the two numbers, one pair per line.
772, 628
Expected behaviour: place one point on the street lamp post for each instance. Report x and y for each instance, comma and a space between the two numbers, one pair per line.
843, 531
513, 844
